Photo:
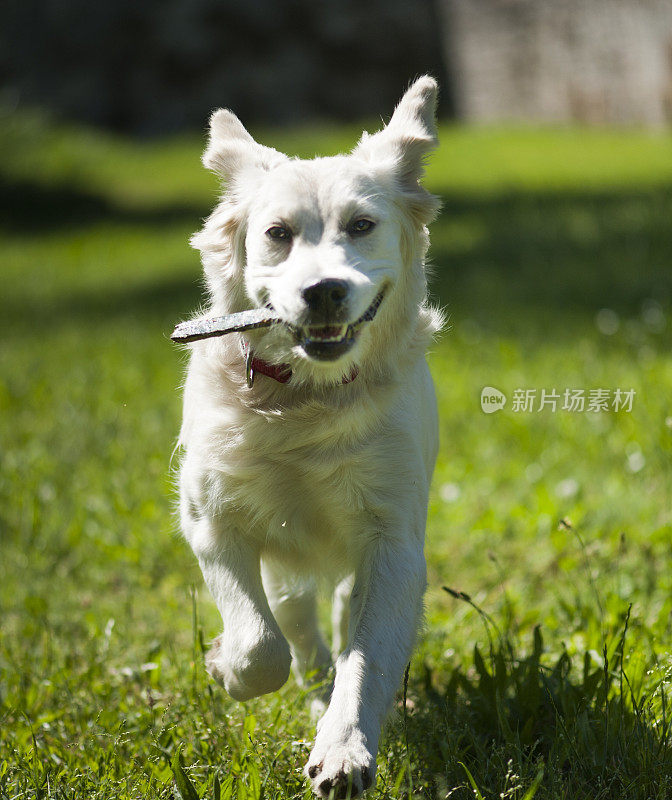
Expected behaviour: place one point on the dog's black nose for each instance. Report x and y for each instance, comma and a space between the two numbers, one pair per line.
326, 299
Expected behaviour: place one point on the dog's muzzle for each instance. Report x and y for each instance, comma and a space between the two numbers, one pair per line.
330, 342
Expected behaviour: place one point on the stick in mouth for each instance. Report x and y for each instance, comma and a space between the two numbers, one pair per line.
195, 329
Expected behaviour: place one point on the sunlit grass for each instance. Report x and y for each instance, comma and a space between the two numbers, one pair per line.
103, 611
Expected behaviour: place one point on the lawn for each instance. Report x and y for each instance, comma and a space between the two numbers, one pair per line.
545, 672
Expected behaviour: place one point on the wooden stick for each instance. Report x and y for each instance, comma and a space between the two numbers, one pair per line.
195, 329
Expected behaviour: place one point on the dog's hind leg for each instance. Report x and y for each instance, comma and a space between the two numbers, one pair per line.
293, 603
340, 613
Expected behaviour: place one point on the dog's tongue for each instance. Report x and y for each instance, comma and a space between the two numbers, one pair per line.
195, 329
327, 332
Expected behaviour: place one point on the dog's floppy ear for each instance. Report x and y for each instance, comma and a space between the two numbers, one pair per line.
405, 142
231, 148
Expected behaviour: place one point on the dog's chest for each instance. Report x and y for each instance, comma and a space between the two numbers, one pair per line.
303, 482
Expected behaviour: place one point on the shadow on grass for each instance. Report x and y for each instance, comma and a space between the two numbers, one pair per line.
29, 207
163, 303
556, 251
503, 255
554, 730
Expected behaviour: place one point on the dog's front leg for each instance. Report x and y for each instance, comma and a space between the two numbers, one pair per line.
251, 656
386, 608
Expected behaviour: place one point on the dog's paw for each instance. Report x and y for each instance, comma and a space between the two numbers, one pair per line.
346, 767
260, 670
215, 664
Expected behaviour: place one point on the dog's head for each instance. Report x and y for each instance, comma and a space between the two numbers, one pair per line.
334, 245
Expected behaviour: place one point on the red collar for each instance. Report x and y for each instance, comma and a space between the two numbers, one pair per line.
279, 372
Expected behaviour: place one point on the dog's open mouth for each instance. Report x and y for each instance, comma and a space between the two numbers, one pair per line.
329, 342
321, 342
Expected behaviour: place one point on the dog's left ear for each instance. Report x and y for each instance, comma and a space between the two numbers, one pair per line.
404, 144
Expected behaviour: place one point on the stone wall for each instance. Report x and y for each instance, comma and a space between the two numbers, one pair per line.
595, 61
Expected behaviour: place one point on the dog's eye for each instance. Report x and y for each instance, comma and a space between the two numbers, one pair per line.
361, 226
278, 232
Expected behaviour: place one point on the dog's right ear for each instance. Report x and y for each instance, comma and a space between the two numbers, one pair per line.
231, 148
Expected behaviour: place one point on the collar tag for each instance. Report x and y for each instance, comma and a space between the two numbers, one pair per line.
249, 367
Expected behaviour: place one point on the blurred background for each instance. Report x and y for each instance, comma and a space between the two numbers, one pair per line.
553, 259
159, 66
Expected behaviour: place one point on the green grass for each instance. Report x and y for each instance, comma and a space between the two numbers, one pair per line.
545, 672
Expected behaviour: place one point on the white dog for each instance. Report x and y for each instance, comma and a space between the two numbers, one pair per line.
318, 461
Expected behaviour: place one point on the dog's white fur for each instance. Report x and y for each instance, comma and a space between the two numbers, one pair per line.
284, 483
